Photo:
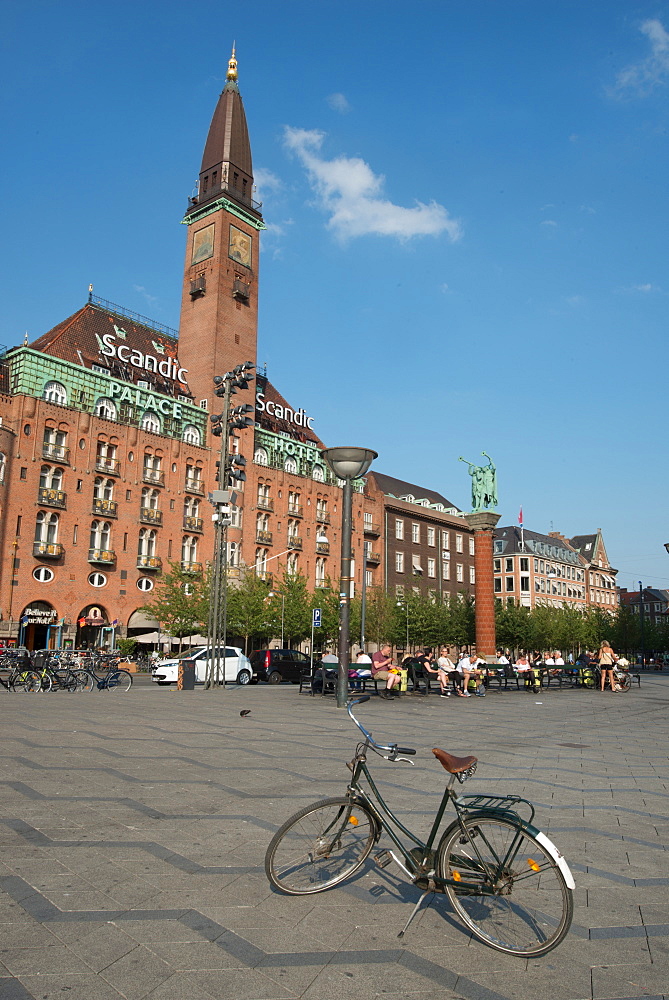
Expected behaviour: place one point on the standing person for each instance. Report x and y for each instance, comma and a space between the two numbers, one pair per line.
607, 660
445, 666
383, 669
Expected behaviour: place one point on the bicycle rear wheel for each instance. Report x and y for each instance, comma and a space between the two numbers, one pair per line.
624, 682
320, 846
84, 680
31, 682
524, 906
118, 680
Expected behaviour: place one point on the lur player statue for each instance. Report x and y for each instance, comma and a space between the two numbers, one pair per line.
484, 484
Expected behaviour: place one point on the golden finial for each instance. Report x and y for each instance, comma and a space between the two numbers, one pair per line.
232, 65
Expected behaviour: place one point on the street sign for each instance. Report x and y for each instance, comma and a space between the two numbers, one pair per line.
316, 620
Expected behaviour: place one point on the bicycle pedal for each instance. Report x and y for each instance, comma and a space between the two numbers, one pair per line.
383, 859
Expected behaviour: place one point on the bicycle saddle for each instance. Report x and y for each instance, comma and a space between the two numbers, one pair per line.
454, 765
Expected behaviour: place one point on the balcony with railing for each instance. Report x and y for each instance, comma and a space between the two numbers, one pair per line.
108, 508
294, 542
265, 503
154, 476
192, 523
150, 515
323, 548
56, 452
190, 567
374, 558
110, 465
263, 537
47, 550
51, 498
194, 485
295, 510
372, 528
322, 516
106, 556
149, 562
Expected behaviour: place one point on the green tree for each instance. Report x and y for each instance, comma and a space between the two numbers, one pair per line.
380, 616
291, 602
247, 608
180, 603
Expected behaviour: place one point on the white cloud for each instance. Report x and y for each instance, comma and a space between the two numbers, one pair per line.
151, 299
652, 71
264, 180
349, 190
549, 222
338, 103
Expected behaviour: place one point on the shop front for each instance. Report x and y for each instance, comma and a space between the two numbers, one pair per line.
39, 626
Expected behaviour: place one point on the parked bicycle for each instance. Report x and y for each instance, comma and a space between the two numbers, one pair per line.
504, 878
111, 678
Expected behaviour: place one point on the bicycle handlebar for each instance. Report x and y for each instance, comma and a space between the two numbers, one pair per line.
391, 748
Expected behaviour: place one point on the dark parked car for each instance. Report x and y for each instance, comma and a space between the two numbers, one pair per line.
276, 665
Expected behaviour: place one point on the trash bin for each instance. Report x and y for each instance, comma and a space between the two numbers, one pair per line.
186, 677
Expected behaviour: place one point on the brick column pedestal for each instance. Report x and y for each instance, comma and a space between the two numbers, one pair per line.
483, 525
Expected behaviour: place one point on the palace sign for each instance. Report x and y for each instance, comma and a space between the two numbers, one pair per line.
145, 400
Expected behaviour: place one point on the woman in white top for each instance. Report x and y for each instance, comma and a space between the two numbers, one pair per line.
444, 666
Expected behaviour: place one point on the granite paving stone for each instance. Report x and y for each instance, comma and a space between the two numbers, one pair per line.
133, 833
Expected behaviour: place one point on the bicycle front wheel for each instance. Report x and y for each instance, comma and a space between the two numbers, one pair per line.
524, 905
31, 682
118, 680
320, 846
85, 682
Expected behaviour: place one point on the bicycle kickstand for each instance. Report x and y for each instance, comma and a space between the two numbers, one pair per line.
414, 912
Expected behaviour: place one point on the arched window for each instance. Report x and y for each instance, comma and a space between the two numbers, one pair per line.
50, 478
3, 466
192, 434
100, 535
320, 572
233, 554
189, 549
191, 507
262, 522
261, 563
150, 422
260, 456
292, 564
105, 408
147, 542
150, 498
55, 392
318, 474
290, 465
46, 527
103, 489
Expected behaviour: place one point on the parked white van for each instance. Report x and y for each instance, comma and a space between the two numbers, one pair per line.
237, 666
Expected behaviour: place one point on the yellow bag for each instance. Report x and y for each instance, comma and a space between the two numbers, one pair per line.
404, 680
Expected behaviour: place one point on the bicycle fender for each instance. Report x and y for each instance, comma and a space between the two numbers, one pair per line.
559, 860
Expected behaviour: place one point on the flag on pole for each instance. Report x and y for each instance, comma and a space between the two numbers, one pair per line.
520, 516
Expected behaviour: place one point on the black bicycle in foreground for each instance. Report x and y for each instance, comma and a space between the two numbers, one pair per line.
504, 878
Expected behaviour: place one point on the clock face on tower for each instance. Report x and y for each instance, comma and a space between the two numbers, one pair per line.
240, 246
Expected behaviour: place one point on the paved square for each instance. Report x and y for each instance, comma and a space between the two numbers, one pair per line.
134, 827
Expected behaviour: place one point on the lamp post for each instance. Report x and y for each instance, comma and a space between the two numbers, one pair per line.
405, 607
347, 464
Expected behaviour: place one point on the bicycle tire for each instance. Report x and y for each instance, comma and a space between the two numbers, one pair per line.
66, 680
118, 680
299, 861
531, 910
625, 682
85, 681
31, 682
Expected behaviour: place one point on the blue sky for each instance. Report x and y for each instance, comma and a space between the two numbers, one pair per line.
467, 219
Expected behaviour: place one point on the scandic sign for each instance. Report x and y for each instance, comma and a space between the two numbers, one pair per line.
167, 367
297, 417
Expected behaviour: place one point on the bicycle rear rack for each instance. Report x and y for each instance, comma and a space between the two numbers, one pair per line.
497, 804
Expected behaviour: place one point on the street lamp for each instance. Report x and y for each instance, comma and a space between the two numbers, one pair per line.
347, 464
273, 593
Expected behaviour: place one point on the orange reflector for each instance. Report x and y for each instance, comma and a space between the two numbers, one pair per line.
533, 865
353, 820
457, 877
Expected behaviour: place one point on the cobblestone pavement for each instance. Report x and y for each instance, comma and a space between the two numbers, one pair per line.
134, 826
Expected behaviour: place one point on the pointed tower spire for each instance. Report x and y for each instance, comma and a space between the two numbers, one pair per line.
226, 164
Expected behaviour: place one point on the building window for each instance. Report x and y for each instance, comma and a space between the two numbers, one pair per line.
460, 573
290, 465
445, 539
415, 532
189, 549
97, 579
192, 434
103, 489
399, 529
498, 585
320, 572
147, 542
144, 583
446, 570
431, 568
471, 546
261, 563
431, 536
55, 444
233, 554
105, 408
369, 578
50, 478
499, 546
100, 535
260, 457
262, 523
509, 583
55, 392
524, 564
458, 543
399, 562
292, 564
318, 474
472, 575
46, 528
508, 566
43, 574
